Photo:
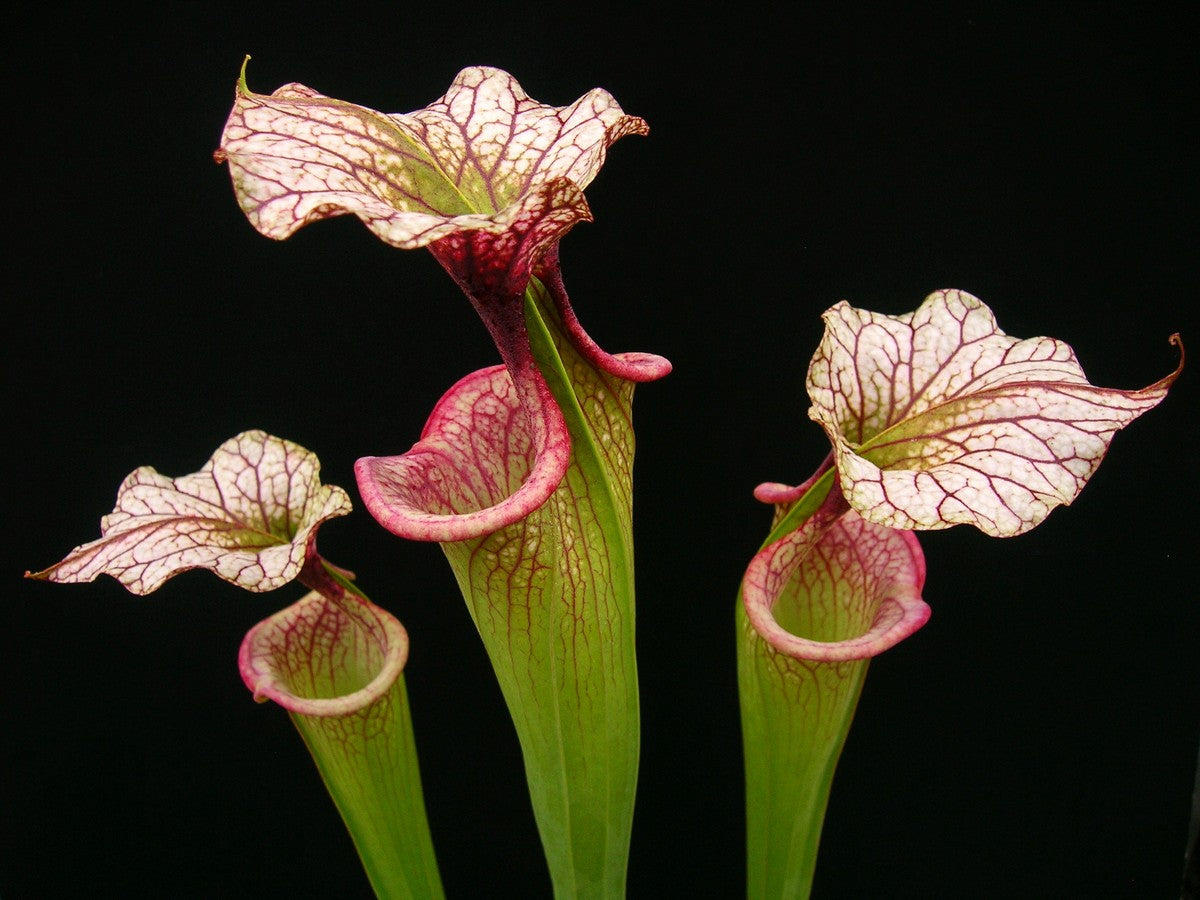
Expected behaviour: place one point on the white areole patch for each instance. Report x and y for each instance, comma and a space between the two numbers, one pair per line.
247, 516
939, 418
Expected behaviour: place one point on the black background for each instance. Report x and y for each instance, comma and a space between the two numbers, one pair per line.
1039, 736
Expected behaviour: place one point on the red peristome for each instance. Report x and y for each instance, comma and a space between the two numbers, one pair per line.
483, 462
323, 656
884, 568
491, 209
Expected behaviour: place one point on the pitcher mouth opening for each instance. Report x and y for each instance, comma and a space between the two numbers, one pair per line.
298, 657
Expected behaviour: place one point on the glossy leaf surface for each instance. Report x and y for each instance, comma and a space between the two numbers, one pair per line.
335, 661
552, 591
817, 604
